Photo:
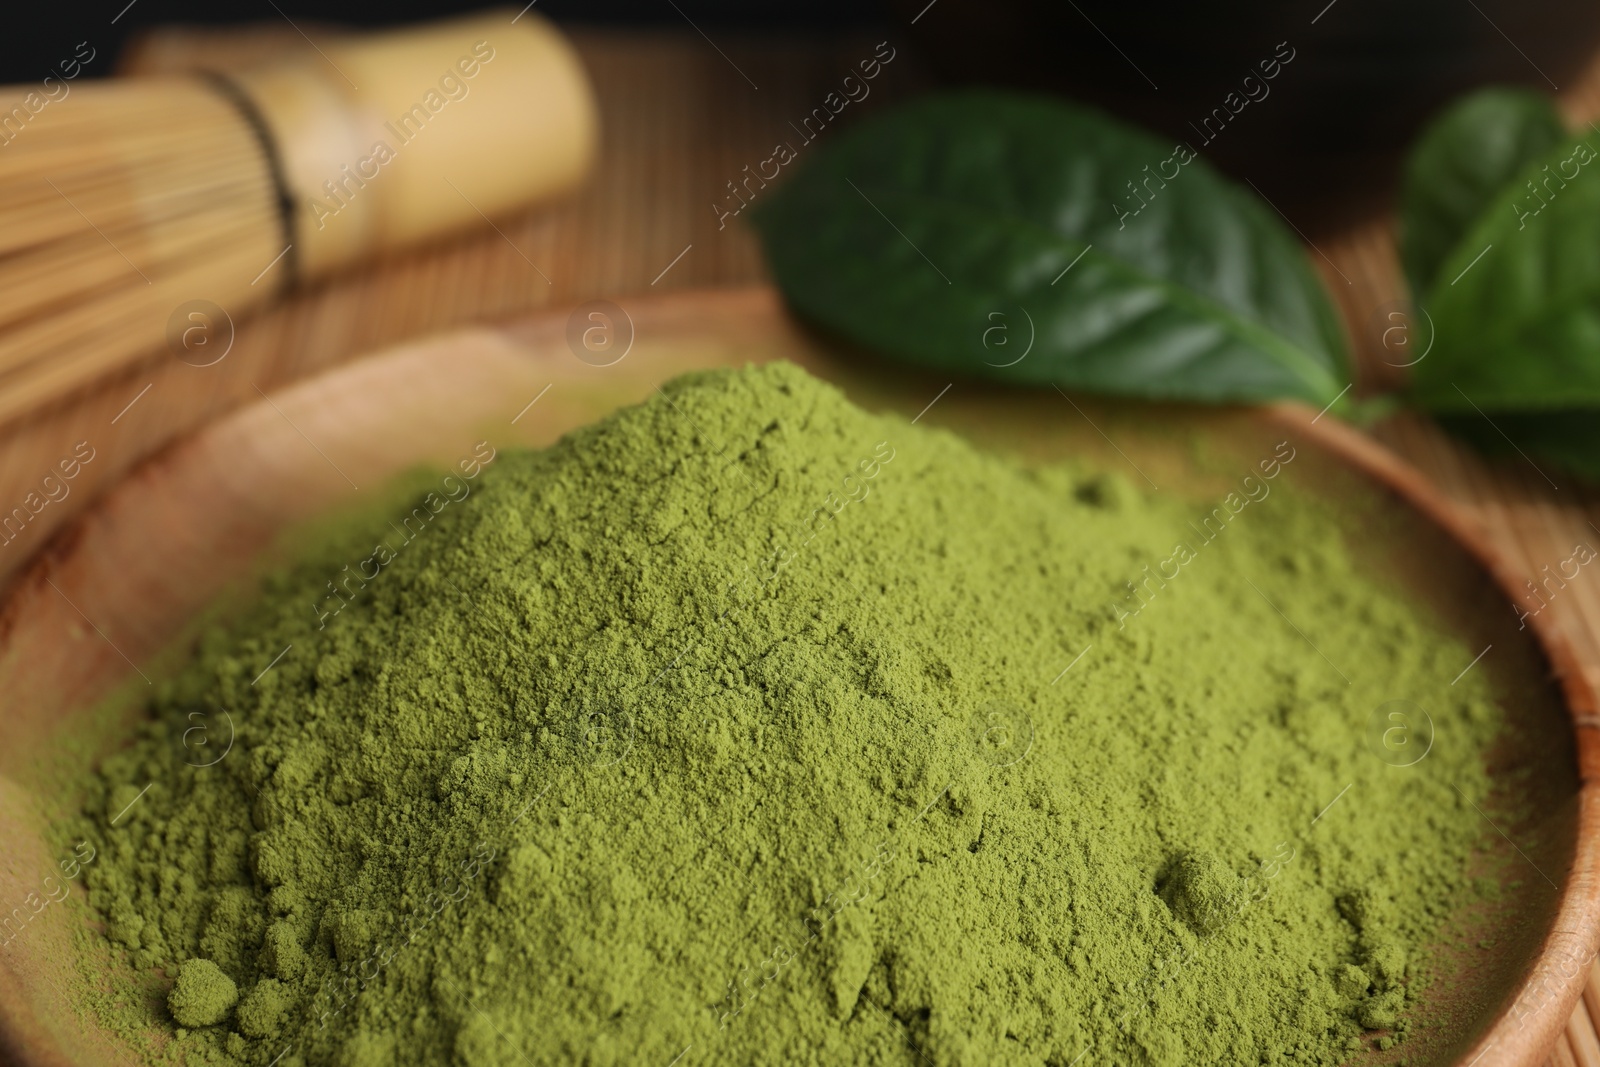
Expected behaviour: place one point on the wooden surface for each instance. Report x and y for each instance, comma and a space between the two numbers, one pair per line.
680, 121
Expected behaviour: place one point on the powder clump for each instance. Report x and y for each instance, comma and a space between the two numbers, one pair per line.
1202, 891
750, 721
202, 995
263, 1008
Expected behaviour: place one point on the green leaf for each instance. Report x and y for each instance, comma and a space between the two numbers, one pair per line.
1463, 161
1003, 235
1502, 209
1516, 308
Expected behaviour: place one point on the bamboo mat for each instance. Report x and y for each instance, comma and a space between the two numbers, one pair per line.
682, 119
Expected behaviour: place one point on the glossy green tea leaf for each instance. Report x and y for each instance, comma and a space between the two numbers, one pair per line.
1472, 153
1516, 308
1034, 241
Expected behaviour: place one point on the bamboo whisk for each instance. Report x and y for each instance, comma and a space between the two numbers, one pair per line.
121, 201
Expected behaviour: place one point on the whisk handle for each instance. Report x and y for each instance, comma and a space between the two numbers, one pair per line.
389, 139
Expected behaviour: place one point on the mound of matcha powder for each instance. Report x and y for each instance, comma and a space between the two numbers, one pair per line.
747, 727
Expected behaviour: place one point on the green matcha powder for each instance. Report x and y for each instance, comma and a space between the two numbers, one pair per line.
747, 727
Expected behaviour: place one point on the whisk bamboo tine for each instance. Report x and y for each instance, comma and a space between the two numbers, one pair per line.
120, 201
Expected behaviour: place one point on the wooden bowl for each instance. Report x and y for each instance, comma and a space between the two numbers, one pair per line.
108, 605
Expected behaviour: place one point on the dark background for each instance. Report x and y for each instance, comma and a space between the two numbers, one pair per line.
38, 34
1326, 146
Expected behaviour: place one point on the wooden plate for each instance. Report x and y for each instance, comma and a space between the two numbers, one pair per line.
106, 607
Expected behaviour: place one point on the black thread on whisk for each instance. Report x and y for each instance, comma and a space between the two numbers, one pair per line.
257, 122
